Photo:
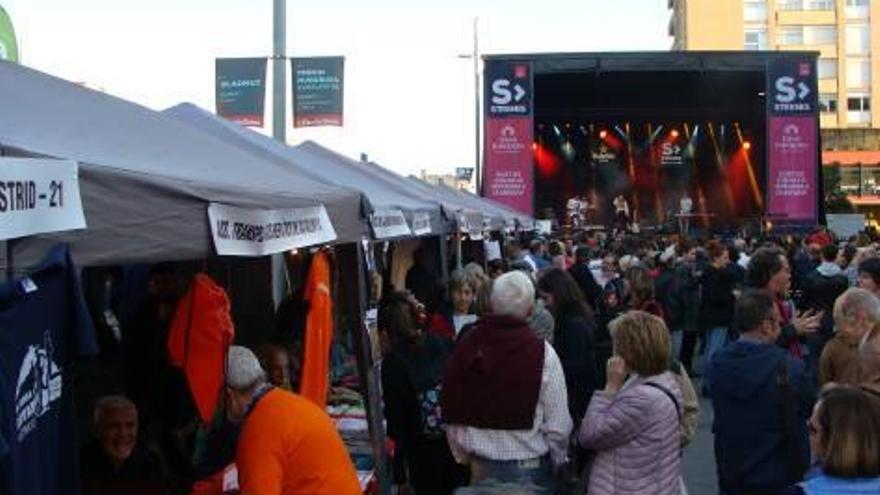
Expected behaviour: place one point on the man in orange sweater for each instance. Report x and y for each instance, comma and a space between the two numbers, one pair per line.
287, 445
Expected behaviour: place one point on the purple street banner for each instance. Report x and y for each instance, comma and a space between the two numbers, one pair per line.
509, 167
792, 131
318, 84
241, 90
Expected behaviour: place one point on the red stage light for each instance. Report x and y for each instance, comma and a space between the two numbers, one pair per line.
603, 134
747, 145
534, 146
674, 134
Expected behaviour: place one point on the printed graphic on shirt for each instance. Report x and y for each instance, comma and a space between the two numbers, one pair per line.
39, 385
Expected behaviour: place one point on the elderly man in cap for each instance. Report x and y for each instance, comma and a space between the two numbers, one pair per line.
288, 445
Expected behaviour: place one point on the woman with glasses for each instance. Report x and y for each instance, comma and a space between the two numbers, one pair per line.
845, 442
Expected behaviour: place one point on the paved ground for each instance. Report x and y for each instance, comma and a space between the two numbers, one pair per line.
699, 457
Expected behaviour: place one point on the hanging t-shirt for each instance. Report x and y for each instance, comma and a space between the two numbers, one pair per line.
44, 324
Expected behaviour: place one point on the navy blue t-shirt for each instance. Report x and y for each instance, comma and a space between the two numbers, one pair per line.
44, 324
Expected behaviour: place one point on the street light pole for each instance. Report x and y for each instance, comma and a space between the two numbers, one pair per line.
475, 56
279, 70
279, 122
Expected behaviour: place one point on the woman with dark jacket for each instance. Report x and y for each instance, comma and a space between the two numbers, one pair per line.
412, 373
573, 338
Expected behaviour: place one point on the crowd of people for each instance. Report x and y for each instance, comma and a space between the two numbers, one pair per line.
569, 365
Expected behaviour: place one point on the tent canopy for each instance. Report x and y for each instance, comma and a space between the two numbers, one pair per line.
313, 161
146, 180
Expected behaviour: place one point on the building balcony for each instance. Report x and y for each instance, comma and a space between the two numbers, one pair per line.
827, 86
806, 17
828, 121
825, 51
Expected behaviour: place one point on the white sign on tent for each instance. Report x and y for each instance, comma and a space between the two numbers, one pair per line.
39, 196
388, 224
241, 232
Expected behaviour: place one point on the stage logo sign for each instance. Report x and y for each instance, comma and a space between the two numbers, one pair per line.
792, 128
241, 90
318, 91
509, 176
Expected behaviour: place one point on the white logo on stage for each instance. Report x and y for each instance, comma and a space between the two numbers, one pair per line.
39, 385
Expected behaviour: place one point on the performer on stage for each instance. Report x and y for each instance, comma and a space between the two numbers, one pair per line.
621, 213
574, 207
686, 208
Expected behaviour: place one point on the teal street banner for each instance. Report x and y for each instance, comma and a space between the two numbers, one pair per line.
318, 91
8, 44
241, 90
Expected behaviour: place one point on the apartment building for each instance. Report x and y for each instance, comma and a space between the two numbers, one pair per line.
846, 33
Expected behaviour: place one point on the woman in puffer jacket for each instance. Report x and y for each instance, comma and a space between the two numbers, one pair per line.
634, 423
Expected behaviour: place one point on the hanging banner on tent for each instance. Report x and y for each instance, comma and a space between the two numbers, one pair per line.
8, 43
318, 91
508, 134
241, 232
388, 223
241, 90
421, 223
792, 143
39, 196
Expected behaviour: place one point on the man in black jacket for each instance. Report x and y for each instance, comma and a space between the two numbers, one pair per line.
821, 288
581, 273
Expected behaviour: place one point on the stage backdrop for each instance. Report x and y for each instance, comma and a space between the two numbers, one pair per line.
508, 134
792, 141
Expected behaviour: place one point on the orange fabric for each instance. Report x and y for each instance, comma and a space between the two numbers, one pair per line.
319, 332
200, 334
289, 446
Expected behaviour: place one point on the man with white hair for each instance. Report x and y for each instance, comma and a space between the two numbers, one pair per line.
504, 398
853, 356
287, 445
112, 462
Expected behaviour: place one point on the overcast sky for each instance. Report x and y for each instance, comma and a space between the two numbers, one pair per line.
409, 99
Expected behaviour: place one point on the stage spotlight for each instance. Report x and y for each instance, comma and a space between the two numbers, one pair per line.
583, 130
747, 145
674, 133
557, 131
603, 134
534, 146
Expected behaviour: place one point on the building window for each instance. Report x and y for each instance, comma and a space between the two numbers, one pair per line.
858, 73
870, 180
791, 35
756, 39
858, 39
827, 68
828, 103
819, 5
850, 180
858, 103
789, 5
858, 109
755, 11
820, 35
858, 9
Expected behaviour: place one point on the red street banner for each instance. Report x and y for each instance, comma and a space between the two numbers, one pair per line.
792, 144
509, 132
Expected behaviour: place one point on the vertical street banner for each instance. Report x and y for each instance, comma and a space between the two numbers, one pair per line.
318, 84
8, 43
241, 90
792, 140
508, 173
